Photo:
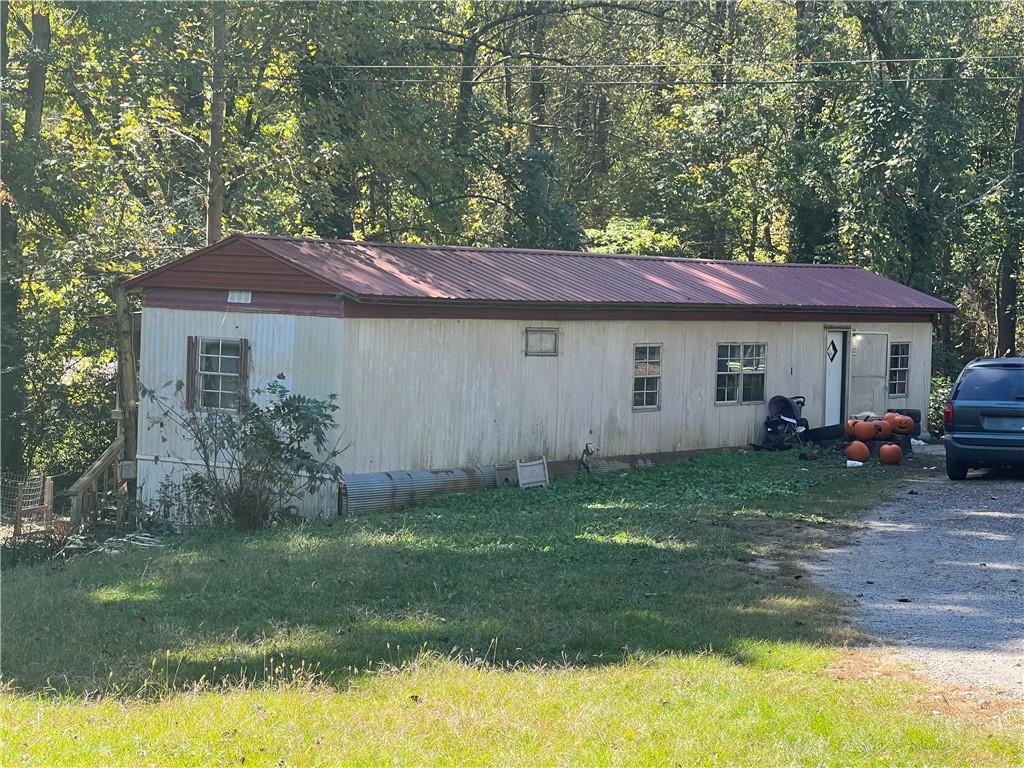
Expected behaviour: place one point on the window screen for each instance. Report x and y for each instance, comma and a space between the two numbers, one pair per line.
899, 368
740, 372
220, 373
542, 342
646, 376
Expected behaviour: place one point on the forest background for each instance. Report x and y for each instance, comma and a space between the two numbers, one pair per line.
884, 133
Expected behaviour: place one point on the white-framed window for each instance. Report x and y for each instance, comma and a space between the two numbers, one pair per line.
740, 372
646, 377
899, 368
239, 297
541, 342
220, 373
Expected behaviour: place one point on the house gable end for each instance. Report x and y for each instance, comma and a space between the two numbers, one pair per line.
236, 263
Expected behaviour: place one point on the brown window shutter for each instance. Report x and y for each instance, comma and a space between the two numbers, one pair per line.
243, 368
191, 373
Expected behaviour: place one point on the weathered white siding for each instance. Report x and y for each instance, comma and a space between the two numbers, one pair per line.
303, 348
450, 393
443, 393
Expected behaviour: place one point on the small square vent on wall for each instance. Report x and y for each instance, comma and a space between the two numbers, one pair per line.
239, 297
542, 342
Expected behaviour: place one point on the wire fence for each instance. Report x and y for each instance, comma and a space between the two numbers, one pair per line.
30, 487
27, 505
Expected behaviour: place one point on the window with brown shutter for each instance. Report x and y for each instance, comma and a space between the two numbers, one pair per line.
243, 369
191, 365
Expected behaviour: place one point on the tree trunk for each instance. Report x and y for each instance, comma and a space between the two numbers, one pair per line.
37, 74
12, 375
602, 121
538, 25
879, 29
509, 110
215, 187
11, 345
1010, 263
755, 225
4, 8
464, 105
724, 22
813, 218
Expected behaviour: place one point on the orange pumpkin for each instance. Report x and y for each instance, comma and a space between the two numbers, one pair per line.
857, 451
904, 425
864, 430
883, 429
891, 417
890, 453
850, 424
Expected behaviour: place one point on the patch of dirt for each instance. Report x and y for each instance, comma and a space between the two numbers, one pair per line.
764, 565
938, 699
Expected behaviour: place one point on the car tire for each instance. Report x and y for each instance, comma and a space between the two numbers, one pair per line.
955, 470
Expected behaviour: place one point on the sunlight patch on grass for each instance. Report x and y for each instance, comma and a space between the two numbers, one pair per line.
792, 603
403, 537
124, 592
791, 514
619, 504
625, 538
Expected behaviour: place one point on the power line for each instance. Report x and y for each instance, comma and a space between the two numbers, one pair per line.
666, 65
747, 63
292, 77
332, 70
670, 83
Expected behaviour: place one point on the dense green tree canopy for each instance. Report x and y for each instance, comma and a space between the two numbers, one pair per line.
876, 132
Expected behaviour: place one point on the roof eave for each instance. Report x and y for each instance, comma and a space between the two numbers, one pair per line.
633, 306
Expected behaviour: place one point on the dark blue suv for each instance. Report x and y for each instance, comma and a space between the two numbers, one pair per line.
984, 417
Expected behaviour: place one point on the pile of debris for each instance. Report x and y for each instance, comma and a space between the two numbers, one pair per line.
40, 546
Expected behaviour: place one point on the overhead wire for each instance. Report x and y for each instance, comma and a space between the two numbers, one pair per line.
505, 64
340, 72
293, 77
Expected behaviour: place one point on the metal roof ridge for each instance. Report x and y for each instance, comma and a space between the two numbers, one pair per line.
553, 252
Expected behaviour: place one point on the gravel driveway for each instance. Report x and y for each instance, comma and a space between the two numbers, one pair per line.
938, 573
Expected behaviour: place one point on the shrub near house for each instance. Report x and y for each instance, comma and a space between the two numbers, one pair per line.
255, 463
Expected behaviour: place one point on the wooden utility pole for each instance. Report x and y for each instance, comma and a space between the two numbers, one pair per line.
128, 387
1010, 262
215, 186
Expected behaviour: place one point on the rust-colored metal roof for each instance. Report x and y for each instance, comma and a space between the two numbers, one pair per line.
456, 274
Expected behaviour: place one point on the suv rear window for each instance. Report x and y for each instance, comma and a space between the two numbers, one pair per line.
991, 382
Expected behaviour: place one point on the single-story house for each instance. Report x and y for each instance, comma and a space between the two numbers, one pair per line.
445, 356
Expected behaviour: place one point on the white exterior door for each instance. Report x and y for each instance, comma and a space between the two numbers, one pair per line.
835, 376
869, 360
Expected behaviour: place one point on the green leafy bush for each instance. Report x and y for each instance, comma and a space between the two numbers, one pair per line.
942, 385
256, 463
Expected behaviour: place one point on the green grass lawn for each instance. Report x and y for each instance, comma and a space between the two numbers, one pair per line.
616, 621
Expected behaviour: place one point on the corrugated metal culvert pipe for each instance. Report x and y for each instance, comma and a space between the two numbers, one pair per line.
383, 491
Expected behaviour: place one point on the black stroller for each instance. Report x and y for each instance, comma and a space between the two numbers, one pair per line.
784, 425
